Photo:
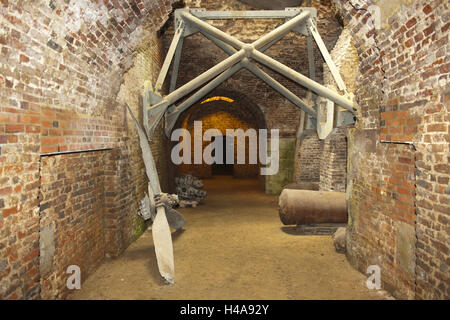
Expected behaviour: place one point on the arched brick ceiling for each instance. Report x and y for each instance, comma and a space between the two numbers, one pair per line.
102, 32
72, 53
243, 108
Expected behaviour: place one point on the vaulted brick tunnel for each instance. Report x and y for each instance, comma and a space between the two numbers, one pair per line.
72, 174
223, 110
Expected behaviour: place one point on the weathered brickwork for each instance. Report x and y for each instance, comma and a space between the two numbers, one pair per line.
333, 162
381, 208
324, 162
415, 64
223, 115
308, 154
219, 120
61, 69
401, 92
72, 215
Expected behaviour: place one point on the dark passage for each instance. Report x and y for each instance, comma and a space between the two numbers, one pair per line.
223, 169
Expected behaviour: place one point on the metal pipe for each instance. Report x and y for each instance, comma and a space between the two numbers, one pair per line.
311, 207
302, 80
229, 49
311, 64
201, 79
281, 30
203, 26
222, 45
279, 67
326, 56
280, 88
165, 67
312, 71
176, 65
265, 77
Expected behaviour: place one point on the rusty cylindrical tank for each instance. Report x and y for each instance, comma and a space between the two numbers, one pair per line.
312, 207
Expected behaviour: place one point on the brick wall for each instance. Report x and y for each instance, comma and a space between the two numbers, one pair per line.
381, 210
308, 154
333, 159
222, 115
72, 223
333, 162
61, 68
219, 120
399, 192
322, 162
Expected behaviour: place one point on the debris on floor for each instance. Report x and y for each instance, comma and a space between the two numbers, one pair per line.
174, 218
189, 190
339, 240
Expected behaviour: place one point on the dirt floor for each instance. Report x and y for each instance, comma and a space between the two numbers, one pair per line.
233, 247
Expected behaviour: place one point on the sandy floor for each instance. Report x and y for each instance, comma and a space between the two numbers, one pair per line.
232, 248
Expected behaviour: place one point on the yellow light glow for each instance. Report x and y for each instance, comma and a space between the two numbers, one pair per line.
217, 98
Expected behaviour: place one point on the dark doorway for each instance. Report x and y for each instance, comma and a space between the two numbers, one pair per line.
223, 169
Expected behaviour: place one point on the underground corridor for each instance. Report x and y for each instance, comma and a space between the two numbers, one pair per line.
224, 150
223, 112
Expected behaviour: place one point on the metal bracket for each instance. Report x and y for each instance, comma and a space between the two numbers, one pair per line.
189, 28
303, 28
149, 98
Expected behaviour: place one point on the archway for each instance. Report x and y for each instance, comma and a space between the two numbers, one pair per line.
222, 109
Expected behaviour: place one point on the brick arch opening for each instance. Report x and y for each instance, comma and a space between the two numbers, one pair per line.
223, 109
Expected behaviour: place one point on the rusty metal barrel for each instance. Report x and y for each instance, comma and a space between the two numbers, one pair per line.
312, 207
